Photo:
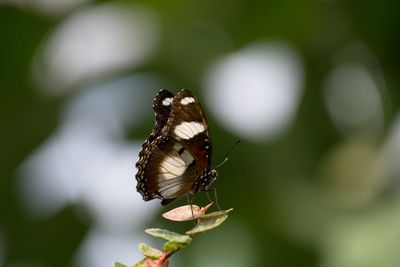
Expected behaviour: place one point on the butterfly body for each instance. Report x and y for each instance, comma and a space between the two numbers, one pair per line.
176, 157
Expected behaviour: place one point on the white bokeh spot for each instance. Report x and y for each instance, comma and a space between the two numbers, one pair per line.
95, 42
87, 159
255, 92
353, 100
89, 162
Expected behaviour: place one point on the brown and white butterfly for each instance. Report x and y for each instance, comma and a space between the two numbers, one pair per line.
176, 158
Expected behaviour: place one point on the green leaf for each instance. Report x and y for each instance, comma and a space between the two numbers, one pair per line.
117, 264
168, 235
174, 246
208, 224
150, 252
215, 214
141, 263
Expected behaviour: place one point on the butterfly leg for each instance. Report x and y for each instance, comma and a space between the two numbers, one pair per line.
215, 197
190, 201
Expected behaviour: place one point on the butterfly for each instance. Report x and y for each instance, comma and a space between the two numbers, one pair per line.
176, 157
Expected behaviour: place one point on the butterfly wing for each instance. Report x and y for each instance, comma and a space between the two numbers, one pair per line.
177, 154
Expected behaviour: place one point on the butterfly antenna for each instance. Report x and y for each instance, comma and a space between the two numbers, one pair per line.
226, 156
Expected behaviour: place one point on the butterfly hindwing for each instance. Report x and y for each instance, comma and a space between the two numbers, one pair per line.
169, 171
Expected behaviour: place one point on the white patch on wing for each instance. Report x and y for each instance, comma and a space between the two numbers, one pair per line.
187, 100
169, 192
174, 165
187, 130
167, 101
171, 167
187, 157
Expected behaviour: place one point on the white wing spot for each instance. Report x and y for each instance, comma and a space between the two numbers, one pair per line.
171, 167
187, 100
187, 157
167, 101
174, 165
187, 130
169, 192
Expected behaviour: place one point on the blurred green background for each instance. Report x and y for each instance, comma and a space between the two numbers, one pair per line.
310, 87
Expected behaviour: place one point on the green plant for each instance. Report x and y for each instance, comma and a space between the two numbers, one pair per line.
176, 241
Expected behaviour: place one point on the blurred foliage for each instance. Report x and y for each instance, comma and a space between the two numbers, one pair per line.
283, 191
